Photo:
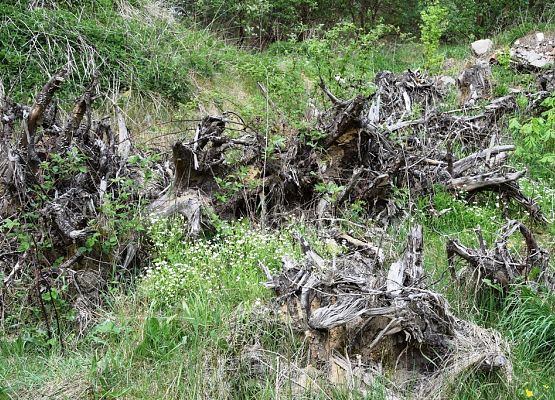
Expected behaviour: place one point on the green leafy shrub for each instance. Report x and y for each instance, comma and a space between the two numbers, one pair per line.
253, 21
259, 22
536, 137
348, 57
329, 190
433, 26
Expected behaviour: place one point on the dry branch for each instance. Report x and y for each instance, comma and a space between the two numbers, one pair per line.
499, 264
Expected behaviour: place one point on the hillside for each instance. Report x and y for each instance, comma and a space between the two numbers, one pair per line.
276, 200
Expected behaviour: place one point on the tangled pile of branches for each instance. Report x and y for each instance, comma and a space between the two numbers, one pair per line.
361, 318
68, 187
70, 184
368, 148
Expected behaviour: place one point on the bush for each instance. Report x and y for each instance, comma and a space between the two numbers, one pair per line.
433, 26
347, 57
260, 22
536, 138
473, 19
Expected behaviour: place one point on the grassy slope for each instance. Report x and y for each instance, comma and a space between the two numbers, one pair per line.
186, 350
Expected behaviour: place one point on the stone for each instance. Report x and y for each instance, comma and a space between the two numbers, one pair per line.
534, 51
444, 83
482, 47
449, 63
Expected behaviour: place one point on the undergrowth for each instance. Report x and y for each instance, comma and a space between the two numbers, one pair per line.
228, 264
180, 332
94, 38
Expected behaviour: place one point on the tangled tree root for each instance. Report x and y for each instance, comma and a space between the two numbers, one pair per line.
499, 265
59, 188
368, 149
360, 320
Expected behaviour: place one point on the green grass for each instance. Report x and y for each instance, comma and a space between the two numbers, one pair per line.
508, 36
183, 330
524, 318
188, 343
192, 345
127, 53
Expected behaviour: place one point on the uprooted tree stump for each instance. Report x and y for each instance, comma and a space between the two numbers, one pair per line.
65, 179
474, 83
498, 264
368, 148
200, 163
359, 318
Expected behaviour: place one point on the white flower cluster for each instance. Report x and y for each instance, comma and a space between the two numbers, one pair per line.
230, 260
543, 192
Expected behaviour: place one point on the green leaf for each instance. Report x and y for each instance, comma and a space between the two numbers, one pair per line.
24, 246
514, 125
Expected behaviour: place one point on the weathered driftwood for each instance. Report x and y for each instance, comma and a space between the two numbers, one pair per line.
420, 157
188, 204
353, 313
368, 147
480, 181
398, 96
499, 264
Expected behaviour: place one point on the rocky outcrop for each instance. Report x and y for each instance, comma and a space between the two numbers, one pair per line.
534, 51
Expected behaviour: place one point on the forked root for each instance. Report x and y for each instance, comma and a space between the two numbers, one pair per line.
360, 319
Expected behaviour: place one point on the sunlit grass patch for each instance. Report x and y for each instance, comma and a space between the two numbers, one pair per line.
225, 266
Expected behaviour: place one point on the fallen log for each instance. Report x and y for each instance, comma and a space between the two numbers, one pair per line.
481, 181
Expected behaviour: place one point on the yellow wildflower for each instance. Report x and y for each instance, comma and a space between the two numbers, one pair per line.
529, 393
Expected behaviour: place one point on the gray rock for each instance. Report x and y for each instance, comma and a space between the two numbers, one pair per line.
446, 81
482, 47
534, 51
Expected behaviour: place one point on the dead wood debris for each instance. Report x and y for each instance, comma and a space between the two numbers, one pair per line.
360, 319
475, 83
502, 265
55, 179
370, 147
